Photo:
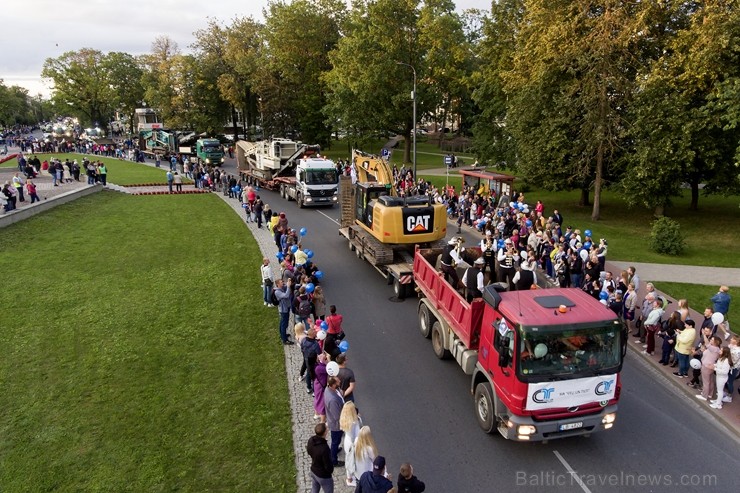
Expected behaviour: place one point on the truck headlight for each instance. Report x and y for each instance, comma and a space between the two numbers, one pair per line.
223, 159
334, 198
309, 199
609, 419
208, 160
526, 430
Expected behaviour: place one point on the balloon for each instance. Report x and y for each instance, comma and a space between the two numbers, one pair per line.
310, 287
344, 346
332, 369
244, 206
321, 335
512, 204
526, 210
528, 223
603, 295
540, 350
587, 245
309, 253
695, 364
280, 256
717, 318
324, 325
294, 248
303, 232
318, 274
587, 232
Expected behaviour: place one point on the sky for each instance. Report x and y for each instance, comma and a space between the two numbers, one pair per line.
35, 30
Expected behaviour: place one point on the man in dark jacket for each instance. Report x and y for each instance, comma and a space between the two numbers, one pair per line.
321, 466
407, 482
374, 481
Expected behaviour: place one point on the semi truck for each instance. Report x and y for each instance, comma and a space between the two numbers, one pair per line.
544, 363
295, 169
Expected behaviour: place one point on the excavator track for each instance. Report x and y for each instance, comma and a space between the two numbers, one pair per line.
374, 251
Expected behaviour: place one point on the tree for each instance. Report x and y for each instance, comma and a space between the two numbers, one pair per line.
570, 84
124, 74
210, 66
298, 37
685, 118
15, 106
81, 85
161, 78
491, 137
369, 92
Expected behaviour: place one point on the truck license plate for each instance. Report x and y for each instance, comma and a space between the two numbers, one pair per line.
571, 426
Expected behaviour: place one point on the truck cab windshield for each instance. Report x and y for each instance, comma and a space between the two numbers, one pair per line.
544, 354
212, 148
321, 177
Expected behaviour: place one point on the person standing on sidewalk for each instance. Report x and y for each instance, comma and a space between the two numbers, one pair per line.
334, 402
103, 173
721, 300
709, 357
721, 372
170, 180
283, 294
684, 342
178, 181
652, 325
321, 466
267, 280
31, 188
647, 307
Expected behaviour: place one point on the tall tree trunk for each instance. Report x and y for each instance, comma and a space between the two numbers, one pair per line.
659, 210
234, 123
407, 146
694, 206
584, 200
596, 211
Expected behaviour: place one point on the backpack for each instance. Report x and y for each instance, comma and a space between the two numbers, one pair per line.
304, 306
273, 298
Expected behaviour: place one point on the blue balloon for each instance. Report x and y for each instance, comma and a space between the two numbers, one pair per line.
310, 287
587, 232
587, 245
309, 253
603, 295
318, 274
244, 206
303, 231
500, 244
520, 206
280, 256
344, 346
528, 223
294, 248
324, 325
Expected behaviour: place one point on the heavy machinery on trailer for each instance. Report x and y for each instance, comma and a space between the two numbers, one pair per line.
154, 139
544, 363
382, 227
294, 169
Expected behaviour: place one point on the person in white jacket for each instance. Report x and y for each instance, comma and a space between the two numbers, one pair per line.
721, 371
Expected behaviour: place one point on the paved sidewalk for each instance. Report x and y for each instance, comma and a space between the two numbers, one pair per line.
693, 274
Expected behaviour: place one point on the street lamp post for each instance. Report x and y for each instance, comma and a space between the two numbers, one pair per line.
413, 97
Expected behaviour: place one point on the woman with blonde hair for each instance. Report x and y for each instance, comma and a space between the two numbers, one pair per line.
365, 451
350, 423
319, 303
683, 309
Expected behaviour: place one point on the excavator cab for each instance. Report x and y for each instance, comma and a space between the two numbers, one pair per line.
365, 195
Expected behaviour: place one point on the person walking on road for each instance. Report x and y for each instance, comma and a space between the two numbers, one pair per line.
321, 465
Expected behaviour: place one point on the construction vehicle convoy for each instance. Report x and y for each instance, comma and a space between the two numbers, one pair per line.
382, 227
295, 169
154, 139
544, 363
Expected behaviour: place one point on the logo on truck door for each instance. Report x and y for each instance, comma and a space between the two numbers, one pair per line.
417, 220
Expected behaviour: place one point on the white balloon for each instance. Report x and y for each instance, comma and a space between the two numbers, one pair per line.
332, 369
321, 335
717, 318
695, 364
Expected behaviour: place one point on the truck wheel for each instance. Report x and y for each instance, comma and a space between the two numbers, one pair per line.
282, 192
351, 246
359, 253
399, 290
438, 345
425, 321
299, 199
484, 410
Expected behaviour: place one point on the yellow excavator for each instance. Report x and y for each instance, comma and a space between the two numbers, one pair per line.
384, 228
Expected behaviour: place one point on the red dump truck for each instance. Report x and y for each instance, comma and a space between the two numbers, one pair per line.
544, 363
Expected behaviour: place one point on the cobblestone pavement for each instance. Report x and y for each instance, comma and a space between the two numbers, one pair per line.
301, 403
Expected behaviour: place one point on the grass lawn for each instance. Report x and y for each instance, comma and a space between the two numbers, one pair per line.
698, 297
711, 233
119, 172
137, 355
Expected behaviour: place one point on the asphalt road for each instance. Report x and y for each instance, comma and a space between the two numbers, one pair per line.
420, 408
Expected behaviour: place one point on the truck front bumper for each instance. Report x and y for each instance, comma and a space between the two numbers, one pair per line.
526, 429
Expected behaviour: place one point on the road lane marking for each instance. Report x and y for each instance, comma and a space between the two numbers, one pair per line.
570, 470
329, 218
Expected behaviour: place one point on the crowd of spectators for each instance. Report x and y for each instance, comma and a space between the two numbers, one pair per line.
319, 334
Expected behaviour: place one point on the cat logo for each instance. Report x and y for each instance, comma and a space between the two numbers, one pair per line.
418, 224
